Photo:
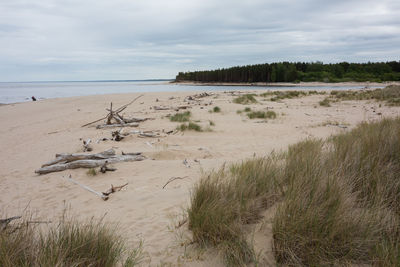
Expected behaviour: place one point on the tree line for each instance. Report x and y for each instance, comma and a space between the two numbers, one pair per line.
299, 72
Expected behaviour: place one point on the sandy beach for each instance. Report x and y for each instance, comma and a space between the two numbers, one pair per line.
32, 133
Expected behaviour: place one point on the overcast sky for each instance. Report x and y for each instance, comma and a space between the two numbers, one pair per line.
134, 39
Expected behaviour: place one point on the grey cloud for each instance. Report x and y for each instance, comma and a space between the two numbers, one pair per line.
123, 39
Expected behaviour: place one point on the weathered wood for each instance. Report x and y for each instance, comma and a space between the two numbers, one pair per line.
86, 145
65, 158
105, 169
133, 124
114, 189
89, 163
103, 197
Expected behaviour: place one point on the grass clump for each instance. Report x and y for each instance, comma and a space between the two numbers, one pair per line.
389, 94
191, 126
262, 115
339, 201
325, 103
247, 109
216, 109
181, 117
279, 95
70, 243
245, 99
222, 202
91, 172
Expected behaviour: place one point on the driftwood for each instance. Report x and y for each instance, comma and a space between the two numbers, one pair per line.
173, 179
105, 169
112, 114
103, 197
132, 124
86, 145
79, 160
114, 189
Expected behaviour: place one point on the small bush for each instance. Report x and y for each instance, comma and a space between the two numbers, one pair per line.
325, 103
212, 123
247, 109
181, 117
245, 99
217, 109
262, 115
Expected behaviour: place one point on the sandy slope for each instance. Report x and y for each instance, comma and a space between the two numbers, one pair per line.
32, 133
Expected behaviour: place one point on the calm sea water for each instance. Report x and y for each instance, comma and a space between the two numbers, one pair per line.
22, 91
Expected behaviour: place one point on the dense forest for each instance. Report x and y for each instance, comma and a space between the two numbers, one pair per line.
299, 72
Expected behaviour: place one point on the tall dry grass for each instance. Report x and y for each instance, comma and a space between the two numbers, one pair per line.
339, 201
69, 243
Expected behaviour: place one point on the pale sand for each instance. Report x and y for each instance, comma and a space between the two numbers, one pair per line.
32, 133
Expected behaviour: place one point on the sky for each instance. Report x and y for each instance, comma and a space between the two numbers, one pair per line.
61, 40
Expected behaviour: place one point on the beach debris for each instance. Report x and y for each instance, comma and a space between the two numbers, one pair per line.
101, 195
114, 189
115, 115
105, 169
82, 160
5, 222
115, 125
173, 179
86, 145
186, 163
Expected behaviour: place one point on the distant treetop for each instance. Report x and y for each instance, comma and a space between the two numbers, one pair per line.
299, 72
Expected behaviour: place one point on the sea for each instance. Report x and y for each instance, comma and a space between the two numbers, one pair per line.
14, 92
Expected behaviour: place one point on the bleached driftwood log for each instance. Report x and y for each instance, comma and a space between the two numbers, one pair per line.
65, 158
74, 161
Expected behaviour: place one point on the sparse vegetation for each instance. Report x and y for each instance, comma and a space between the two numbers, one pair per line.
181, 117
279, 95
245, 99
91, 172
262, 115
339, 201
69, 243
389, 94
216, 109
325, 103
191, 126
247, 109
212, 123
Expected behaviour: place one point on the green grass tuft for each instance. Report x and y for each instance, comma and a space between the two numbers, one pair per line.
245, 99
262, 115
325, 103
91, 172
191, 126
217, 109
181, 117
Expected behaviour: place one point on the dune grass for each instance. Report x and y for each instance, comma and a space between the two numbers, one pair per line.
262, 115
69, 243
389, 94
216, 109
325, 103
339, 201
279, 95
181, 117
191, 126
245, 99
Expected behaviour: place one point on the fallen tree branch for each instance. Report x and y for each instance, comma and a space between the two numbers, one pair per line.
114, 189
80, 156
103, 197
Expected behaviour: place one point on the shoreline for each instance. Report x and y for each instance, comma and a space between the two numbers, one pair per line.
301, 84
